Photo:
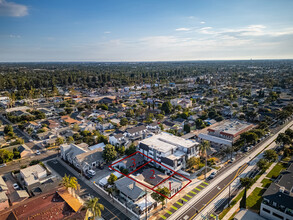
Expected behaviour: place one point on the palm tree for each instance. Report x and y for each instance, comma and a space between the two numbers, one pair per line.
66, 181
203, 149
70, 183
94, 208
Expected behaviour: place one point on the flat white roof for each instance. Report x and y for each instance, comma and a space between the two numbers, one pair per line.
231, 127
164, 142
215, 139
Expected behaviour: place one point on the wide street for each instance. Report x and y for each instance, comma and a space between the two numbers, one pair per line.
110, 212
206, 198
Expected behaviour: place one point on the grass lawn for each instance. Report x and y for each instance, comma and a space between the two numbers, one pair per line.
274, 173
226, 210
253, 201
266, 182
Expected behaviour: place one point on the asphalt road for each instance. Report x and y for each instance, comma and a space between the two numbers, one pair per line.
110, 211
191, 212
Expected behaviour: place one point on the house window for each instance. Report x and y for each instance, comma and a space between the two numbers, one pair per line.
266, 210
278, 216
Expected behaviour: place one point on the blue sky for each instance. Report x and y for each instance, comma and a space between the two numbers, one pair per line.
145, 30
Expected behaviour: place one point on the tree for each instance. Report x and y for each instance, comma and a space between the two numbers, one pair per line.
245, 182
112, 178
289, 132
167, 107
109, 153
59, 141
70, 140
158, 197
70, 183
123, 121
204, 147
186, 127
7, 129
159, 117
270, 155
130, 150
262, 164
199, 123
283, 139
249, 137
93, 208
192, 162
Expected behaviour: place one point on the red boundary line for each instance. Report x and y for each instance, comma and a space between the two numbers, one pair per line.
140, 167
163, 180
111, 166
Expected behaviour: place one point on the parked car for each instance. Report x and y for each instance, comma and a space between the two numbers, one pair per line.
91, 172
213, 174
15, 186
88, 176
3, 165
38, 152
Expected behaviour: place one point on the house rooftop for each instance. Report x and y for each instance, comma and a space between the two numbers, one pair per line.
165, 142
231, 127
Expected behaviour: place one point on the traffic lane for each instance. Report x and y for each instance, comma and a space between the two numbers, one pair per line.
110, 211
207, 198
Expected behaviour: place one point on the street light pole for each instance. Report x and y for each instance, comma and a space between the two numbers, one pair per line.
146, 204
229, 195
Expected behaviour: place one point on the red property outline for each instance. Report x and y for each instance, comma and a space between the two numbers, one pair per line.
174, 172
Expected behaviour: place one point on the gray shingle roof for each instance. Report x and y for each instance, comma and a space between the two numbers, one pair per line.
129, 188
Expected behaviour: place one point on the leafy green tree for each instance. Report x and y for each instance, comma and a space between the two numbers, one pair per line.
70, 140
93, 208
109, 153
167, 107
123, 121
130, 150
262, 164
7, 129
192, 162
199, 123
270, 155
59, 141
158, 197
186, 127
204, 147
249, 137
159, 117
289, 132
112, 178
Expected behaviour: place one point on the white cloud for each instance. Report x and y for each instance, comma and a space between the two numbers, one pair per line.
107, 32
202, 22
14, 36
12, 9
182, 29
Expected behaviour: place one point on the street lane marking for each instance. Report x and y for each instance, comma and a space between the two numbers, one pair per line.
205, 183
188, 196
202, 186
197, 189
163, 217
173, 207
184, 200
240, 170
193, 192
179, 203
170, 213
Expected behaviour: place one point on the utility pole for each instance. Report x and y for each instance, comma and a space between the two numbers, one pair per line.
146, 204
229, 199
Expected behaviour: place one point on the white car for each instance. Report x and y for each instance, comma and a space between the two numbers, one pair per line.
31, 140
38, 152
15, 186
3, 165
91, 172
213, 174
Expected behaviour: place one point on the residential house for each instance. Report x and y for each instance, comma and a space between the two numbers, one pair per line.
277, 200
118, 139
184, 103
136, 133
89, 160
69, 120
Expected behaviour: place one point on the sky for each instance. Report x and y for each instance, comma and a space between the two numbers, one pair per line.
145, 30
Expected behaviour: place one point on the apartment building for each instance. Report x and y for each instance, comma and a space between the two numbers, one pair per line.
169, 150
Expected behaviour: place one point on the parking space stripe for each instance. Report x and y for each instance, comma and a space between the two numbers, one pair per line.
170, 213
205, 183
193, 192
201, 186
173, 207
179, 203
198, 189
188, 196
162, 216
184, 200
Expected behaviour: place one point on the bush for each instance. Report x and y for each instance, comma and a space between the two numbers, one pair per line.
34, 162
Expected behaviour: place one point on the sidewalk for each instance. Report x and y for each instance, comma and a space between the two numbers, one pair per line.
256, 184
